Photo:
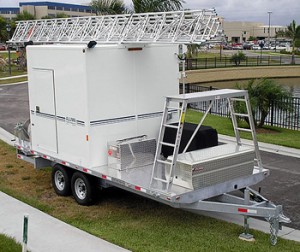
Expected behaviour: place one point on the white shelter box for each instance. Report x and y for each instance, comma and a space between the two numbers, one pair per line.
81, 99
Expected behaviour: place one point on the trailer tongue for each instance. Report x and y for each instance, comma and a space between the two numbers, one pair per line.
97, 115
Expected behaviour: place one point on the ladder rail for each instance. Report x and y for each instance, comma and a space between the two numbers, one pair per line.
234, 122
160, 138
251, 124
169, 165
253, 132
162, 27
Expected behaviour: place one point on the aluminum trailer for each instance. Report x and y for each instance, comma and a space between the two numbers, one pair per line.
96, 126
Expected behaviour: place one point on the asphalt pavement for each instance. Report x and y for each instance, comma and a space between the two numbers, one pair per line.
281, 187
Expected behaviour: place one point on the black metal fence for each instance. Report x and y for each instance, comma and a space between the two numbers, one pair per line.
225, 61
289, 119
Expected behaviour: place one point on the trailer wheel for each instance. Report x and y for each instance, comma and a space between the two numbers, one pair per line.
82, 188
61, 180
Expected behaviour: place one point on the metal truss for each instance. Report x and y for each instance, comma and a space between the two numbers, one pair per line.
182, 27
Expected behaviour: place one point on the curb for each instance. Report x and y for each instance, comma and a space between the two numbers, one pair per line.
13, 77
277, 149
6, 137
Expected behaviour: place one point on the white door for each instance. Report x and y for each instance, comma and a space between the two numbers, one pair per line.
43, 108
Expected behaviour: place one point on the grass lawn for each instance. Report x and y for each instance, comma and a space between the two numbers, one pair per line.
268, 134
9, 245
14, 69
14, 80
127, 219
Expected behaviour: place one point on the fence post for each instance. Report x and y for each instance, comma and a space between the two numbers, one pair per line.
25, 233
272, 113
215, 62
206, 63
225, 61
280, 60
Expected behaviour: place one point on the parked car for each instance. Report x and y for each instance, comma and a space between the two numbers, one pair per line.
247, 46
256, 47
280, 47
2, 47
227, 47
237, 47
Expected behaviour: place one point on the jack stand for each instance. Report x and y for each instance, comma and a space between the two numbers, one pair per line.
246, 236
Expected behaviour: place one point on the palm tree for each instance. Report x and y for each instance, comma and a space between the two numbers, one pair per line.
141, 6
262, 94
293, 32
108, 7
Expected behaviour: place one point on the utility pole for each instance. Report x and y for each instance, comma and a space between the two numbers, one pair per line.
8, 29
269, 31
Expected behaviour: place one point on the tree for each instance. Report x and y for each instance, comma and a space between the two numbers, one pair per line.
108, 7
58, 15
293, 32
24, 16
238, 57
262, 94
142, 6
3, 32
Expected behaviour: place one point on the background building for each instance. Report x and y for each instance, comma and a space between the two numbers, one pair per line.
239, 32
9, 12
50, 9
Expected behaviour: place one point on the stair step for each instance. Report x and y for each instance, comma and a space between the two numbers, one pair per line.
246, 130
174, 108
164, 162
161, 180
240, 114
171, 126
168, 144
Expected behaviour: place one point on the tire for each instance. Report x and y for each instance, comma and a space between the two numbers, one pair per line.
61, 180
83, 189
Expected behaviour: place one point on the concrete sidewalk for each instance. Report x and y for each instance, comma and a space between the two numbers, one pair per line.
286, 151
46, 233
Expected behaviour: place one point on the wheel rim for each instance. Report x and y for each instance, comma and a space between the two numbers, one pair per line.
80, 188
59, 180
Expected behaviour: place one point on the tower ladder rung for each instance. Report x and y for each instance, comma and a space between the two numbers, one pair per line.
238, 99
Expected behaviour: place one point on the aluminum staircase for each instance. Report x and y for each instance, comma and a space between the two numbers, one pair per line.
163, 169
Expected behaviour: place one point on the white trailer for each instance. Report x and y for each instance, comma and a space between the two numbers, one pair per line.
102, 99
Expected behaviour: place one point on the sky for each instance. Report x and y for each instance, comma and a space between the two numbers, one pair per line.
283, 11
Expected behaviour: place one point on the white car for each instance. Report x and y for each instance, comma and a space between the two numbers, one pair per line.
256, 47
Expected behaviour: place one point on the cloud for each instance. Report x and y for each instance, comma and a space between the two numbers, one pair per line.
283, 11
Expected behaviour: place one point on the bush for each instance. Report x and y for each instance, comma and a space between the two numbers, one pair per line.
237, 58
